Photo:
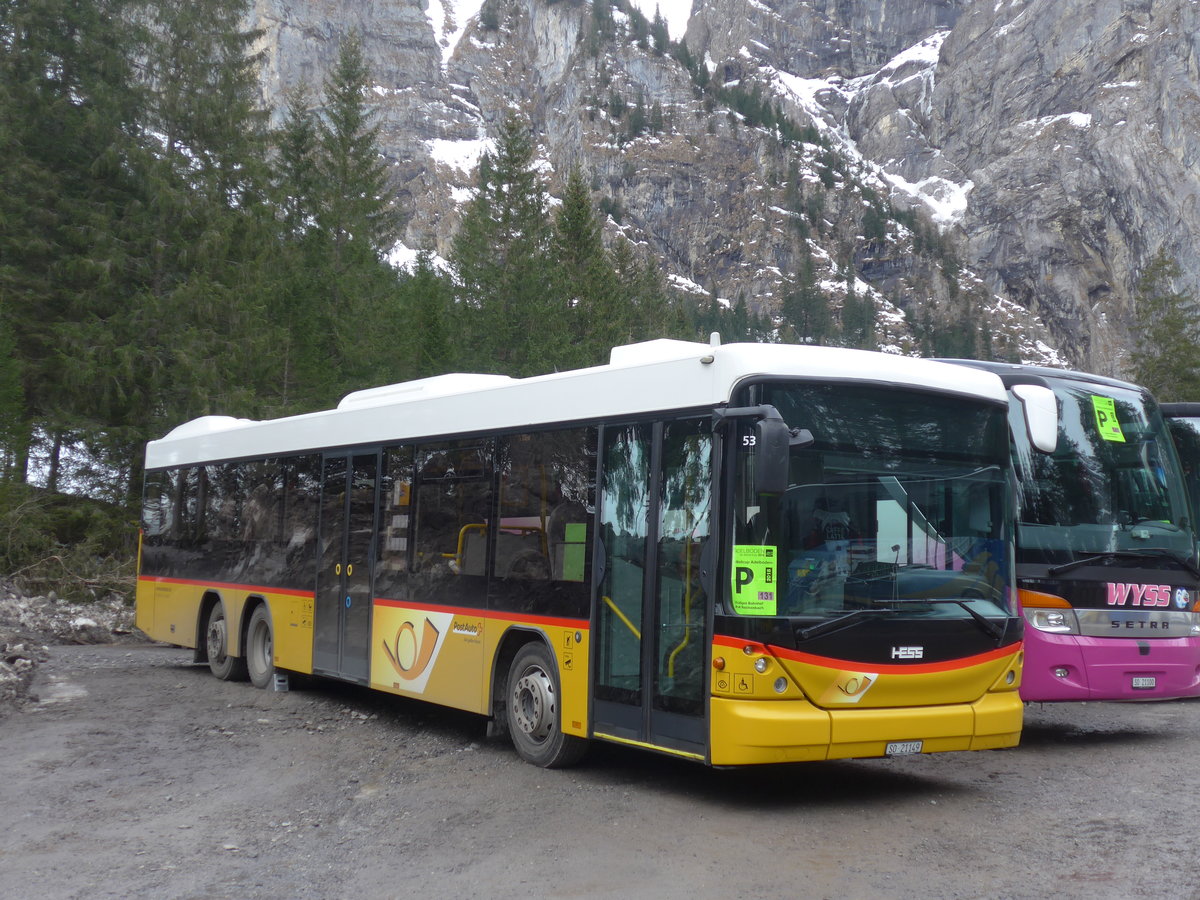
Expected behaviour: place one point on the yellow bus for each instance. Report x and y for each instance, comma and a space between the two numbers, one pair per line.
733, 554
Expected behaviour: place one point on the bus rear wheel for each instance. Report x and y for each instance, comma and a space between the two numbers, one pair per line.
535, 713
260, 648
220, 663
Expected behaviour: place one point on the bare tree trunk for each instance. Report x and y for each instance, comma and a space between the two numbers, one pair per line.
55, 463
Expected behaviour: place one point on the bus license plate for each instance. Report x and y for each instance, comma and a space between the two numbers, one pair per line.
1144, 682
904, 748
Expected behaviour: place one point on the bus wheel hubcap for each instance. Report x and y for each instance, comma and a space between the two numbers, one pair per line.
533, 704
216, 639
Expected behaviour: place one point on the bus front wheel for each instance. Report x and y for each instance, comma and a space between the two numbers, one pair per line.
220, 663
260, 648
535, 713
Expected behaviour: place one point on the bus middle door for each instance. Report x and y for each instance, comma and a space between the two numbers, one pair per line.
342, 615
651, 644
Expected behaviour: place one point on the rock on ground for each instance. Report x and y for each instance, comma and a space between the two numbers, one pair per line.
29, 624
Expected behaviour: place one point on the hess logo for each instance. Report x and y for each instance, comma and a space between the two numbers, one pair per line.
908, 653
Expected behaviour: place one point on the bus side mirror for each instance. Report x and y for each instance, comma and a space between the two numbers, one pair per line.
1041, 415
772, 438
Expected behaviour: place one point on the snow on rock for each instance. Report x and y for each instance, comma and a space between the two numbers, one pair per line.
461, 155
449, 19
679, 282
945, 200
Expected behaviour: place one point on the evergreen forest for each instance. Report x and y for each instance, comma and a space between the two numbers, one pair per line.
168, 253
165, 253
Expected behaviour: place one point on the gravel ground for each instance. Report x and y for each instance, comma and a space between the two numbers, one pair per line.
126, 771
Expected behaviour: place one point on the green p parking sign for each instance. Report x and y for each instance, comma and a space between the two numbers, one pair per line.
755, 570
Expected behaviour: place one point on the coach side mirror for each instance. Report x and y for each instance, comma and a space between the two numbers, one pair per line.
1041, 415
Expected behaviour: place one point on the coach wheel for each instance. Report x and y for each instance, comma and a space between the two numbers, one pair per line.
224, 666
260, 648
534, 712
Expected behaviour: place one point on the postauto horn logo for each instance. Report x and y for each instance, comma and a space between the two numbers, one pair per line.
414, 647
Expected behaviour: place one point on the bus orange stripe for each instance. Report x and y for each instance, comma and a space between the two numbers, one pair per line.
227, 585
883, 668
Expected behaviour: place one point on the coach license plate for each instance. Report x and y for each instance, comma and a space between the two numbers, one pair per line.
904, 748
1144, 682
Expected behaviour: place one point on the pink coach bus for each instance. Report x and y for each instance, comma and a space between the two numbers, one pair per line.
1106, 544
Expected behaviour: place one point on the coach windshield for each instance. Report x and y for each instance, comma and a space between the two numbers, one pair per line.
1112, 485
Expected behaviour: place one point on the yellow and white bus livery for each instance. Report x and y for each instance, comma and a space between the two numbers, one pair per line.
734, 554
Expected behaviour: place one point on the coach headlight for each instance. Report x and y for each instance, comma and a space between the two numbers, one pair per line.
1055, 621
1049, 613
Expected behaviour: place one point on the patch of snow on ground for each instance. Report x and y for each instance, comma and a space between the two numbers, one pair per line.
686, 285
449, 19
461, 155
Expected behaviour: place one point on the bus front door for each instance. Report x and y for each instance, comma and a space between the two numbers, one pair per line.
650, 643
342, 617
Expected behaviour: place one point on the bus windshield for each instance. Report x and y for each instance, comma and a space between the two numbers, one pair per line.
1113, 485
1185, 429
900, 502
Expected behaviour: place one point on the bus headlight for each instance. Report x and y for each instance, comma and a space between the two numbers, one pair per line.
1048, 612
1054, 621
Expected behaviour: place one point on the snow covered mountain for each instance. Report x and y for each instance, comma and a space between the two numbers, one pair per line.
1001, 166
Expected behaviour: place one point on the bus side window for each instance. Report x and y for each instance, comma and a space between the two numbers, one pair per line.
395, 518
451, 519
545, 480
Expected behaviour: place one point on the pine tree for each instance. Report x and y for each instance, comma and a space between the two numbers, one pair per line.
659, 33
12, 398
651, 311
69, 186
502, 260
429, 319
330, 185
295, 173
805, 306
585, 283
193, 338
1165, 361
354, 214
858, 316
303, 378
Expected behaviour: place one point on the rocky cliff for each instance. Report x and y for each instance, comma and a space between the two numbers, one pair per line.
977, 161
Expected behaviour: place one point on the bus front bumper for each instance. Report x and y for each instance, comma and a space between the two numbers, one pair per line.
750, 732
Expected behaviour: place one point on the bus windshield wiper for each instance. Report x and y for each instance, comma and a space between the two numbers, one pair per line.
990, 627
840, 622
1148, 553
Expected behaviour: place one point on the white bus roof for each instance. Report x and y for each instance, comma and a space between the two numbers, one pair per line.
660, 375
